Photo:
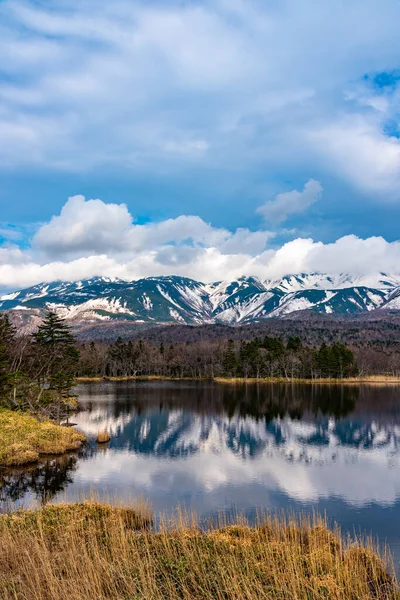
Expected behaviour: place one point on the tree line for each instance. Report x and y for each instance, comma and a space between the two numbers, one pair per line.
258, 358
37, 372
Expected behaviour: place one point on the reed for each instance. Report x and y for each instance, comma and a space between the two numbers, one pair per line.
94, 551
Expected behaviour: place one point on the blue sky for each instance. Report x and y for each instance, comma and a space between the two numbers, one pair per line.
273, 126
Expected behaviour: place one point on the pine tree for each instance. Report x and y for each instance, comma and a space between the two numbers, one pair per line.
336, 361
324, 361
54, 332
294, 344
275, 347
57, 358
230, 361
7, 334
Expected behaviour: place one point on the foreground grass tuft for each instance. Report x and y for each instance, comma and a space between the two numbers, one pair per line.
90, 550
24, 438
56, 520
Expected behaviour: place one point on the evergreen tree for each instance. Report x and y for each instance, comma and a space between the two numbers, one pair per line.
343, 360
323, 360
230, 363
57, 358
7, 334
275, 347
54, 333
336, 361
294, 344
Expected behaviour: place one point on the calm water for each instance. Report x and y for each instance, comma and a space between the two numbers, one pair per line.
217, 447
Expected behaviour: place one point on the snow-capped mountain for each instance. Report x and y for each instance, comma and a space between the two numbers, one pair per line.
182, 300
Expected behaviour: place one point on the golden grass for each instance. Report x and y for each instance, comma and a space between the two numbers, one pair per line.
24, 438
54, 520
89, 550
367, 379
84, 379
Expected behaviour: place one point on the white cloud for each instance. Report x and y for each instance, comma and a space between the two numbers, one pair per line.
141, 84
12, 255
359, 151
85, 226
90, 238
289, 203
94, 227
355, 255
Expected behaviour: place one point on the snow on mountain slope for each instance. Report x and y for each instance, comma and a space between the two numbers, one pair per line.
393, 300
342, 301
183, 300
323, 281
235, 301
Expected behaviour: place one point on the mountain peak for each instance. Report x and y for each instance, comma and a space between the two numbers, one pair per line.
177, 299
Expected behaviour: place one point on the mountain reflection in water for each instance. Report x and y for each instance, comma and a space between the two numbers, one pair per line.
219, 447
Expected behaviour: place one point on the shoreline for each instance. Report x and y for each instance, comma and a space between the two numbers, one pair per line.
364, 380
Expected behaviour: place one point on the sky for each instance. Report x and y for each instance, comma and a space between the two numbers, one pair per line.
210, 139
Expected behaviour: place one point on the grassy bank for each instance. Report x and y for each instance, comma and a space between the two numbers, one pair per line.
139, 378
369, 379
23, 438
93, 551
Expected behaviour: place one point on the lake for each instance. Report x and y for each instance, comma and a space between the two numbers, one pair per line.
219, 447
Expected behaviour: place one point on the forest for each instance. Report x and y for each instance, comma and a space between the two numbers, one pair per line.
38, 371
258, 358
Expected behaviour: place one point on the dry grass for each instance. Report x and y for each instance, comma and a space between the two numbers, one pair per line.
93, 551
85, 379
24, 438
368, 379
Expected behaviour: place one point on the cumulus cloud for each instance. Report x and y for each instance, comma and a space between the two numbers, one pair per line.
90, 238
355, 255
289, 203
85, 227
95, 227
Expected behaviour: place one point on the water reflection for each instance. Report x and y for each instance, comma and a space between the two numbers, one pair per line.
176, 422
212, 447
44, 481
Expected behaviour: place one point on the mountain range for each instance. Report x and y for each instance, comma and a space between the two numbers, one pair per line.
173, 299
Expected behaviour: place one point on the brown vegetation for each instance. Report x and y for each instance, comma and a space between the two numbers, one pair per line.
24, 438
87, 551
103, 437
367, 379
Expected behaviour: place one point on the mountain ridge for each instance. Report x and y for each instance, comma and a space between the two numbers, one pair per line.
176, 299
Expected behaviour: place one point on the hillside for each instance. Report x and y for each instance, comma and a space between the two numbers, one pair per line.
179, 300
